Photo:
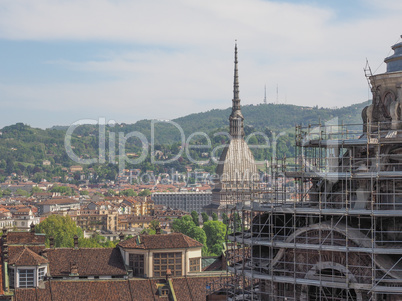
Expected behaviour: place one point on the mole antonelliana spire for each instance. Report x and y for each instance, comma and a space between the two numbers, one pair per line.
236, 118
236, 168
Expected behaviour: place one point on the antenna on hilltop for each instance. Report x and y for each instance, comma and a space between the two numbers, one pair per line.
265, 94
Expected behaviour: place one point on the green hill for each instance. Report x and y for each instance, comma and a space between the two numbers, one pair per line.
24, 148
275, 117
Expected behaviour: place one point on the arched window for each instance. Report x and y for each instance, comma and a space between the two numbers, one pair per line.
318, 293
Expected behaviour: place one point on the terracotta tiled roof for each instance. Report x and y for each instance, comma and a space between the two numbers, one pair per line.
78, 290
42, 193
182, 289
14, 250
190, 288
90, 261
27, 257
58, 201
23, 210
26, 294
196, 285
160, 241
143, 290
111, 290
25, 238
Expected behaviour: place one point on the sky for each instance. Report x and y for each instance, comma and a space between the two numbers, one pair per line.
62, 61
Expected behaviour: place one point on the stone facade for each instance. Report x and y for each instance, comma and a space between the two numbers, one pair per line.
236, 173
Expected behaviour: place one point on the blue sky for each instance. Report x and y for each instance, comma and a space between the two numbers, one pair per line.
63, 61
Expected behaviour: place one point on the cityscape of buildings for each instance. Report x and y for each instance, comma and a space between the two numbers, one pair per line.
336, 235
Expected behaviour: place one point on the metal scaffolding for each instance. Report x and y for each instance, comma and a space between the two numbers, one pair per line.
328, 223
329, 226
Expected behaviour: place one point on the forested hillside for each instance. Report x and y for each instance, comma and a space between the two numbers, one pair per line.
23, 149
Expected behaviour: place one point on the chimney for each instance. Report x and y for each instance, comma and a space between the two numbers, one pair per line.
4, 237
51, 242
75, 242
32, 228
121, 236
74, 269
44, 253
158, 229
168, 274
4, 245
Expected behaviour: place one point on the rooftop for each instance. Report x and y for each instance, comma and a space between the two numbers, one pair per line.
89, 261
27, 257
58, 201
160, 241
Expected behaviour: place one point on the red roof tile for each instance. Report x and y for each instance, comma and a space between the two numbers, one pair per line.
89, 261
189, 288
25, 238
160, 241
58, 201
27, 257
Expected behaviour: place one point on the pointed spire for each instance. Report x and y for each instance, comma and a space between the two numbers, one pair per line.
236, 98
236, 118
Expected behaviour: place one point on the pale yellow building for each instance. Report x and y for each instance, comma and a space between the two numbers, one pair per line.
150, 256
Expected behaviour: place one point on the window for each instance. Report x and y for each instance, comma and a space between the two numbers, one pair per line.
164, 261
41, 274
164, 292
136, 262
194, 264
11, 276
26, 277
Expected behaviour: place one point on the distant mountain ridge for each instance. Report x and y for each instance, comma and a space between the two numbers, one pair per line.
43, 153
275, 117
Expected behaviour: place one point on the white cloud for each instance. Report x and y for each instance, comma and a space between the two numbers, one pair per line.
314, 59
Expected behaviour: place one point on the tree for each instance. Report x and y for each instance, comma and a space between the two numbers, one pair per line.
111, 175
84, 192
185, 225
216, 233
7, 192
148, 231
194, 215
154, 224
225, 219
214, 216
10, 166
36, 189
22, 192
128, 192
199, 235
145, 192
205, 217
62, 189
237, 224
61, 228
110, 192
